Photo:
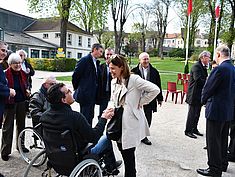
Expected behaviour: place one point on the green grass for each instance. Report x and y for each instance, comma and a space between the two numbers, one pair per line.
168, 69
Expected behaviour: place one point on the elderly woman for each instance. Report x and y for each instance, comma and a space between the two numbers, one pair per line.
26, 67
132, 92
15, 106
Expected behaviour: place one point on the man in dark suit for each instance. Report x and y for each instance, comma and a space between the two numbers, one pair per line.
85, 81
197, 80
148, 72
105, 81
218, 95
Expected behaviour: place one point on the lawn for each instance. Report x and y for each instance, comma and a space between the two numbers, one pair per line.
168, 70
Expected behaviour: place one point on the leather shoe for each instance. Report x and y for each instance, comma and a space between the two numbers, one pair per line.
5, 157
1, 175
196, 132
205, 147
146, 141
191, 135
208, 172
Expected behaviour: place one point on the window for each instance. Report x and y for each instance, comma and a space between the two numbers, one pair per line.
34, 53
198, 42
173, 41
69, 54
79, 40
69, 39
57, 35
79, 55
45, 36
45, 54
89, 42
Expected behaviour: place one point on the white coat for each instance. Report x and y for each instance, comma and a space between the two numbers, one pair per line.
138, 93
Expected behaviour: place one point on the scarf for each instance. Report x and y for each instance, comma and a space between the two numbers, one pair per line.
142, 72
10, 73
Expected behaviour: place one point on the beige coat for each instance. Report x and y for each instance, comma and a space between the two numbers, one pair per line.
134, 123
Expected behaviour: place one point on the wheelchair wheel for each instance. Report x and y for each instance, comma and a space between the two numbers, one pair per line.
88, 167
32, 141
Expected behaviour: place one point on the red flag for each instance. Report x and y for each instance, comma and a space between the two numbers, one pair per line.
190, 6
217, 9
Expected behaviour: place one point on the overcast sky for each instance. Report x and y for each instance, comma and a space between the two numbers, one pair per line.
20, 6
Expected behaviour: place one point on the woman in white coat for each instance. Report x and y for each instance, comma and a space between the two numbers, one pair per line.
134, 124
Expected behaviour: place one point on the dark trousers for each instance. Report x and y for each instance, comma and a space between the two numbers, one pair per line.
148, 113
193, 117
103, 106
128, 156
217, 143
18, 112
231, 146
88, 112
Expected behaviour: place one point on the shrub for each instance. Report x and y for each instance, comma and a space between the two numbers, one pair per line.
49, 64
177, 52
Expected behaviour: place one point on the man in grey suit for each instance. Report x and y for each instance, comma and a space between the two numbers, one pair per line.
218, 95
197, 80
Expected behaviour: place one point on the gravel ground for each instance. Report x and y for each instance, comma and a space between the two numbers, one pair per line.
172, 154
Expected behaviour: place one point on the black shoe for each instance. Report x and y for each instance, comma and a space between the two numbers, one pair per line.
107, 171
118, 164
146, 141
196, 132
205, 147
1, 175
208, 172
191, 135
5, 157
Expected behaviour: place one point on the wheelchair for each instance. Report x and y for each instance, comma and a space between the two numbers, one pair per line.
64, 157
31, 139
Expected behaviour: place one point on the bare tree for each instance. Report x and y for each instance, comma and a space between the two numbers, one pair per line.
120, 11
160, 11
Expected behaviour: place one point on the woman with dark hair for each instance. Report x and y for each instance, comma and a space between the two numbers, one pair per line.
15, 106
132, 92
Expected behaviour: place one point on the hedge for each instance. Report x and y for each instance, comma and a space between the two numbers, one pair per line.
50, 64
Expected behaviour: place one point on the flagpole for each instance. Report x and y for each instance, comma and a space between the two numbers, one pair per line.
187, 40
215, 40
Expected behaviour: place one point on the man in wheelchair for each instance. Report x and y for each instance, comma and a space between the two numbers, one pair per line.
60, 116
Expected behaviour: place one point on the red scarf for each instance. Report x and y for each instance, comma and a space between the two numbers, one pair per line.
22, 78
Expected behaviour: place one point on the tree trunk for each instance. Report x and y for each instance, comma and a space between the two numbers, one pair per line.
231, 28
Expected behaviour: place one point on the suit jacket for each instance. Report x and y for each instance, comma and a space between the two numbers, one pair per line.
103, 94
197, 80
85, 81
31, 73
218, 93
134, 122
154, 78
4, 92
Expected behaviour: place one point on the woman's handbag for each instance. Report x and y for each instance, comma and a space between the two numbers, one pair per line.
114, 127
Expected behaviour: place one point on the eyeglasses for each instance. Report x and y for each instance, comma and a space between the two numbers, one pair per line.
4, 50
68, 92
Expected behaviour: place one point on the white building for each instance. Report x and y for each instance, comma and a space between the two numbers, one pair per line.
78, 44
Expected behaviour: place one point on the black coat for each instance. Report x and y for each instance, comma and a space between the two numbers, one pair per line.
154, 78
197, 80
61, 116
31, 73
85, 81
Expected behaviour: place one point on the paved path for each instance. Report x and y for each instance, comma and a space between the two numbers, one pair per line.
171, 155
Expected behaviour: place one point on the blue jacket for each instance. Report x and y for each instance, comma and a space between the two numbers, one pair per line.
4, 92
85, 81
218, 93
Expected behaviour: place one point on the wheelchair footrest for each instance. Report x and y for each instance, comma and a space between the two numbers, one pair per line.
112, 173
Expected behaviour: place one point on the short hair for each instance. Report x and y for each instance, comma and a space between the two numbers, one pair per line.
21, 50
120, 61
224, 50
49, 79
54, 93
107, 50
2, 43
143, 54
14, 58
96, 46
204, 54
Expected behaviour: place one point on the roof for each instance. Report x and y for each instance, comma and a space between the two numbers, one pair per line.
23, 38
172, 36
52, 24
